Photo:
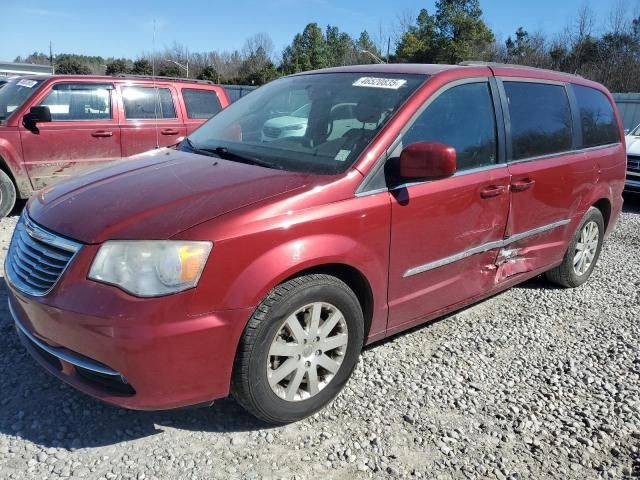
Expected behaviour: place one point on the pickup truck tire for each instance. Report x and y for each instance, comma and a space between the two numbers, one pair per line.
583, 252
298, 349
7, 194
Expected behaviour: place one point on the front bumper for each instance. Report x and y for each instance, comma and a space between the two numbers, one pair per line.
632, 184
158, 358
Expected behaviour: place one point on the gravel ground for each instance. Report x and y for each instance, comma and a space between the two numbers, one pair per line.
537, 382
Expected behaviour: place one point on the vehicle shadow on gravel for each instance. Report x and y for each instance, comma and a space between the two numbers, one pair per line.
631, 204
38, 407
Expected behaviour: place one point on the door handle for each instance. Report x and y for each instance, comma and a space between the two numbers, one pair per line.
492, 191
101, 133
522, 185
169, 131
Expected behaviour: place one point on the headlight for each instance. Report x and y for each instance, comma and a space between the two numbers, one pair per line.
149, 268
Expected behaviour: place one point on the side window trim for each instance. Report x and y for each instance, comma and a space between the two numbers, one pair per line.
507, 118
43, 95
363, 189
575, 116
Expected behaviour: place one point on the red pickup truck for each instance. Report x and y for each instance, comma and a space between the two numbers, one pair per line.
55, 127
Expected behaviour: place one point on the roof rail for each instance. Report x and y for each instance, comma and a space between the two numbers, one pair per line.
479, 63
175, 79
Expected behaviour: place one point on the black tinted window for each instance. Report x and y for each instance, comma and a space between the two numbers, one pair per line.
139, 103
540, 119
599, 126
201, 103
462, 117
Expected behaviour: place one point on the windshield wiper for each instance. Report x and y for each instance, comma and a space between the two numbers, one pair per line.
201, 151
227, 154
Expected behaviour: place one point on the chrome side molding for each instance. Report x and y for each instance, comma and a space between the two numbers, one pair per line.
483, 248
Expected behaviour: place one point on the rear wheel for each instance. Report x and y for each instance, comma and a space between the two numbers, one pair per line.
583, 252
298, 349
7, 194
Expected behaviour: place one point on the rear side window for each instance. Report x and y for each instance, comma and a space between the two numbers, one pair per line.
139, 103
540, 116
79, 101
599, 126
201, 103
462, 117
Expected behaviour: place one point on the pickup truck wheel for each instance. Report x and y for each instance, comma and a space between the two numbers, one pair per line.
298, 349
7, 194
583, 252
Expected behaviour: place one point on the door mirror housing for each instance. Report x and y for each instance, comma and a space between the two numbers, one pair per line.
36, 115
427, 161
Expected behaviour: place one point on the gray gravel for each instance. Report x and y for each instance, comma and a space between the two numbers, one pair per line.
537, 382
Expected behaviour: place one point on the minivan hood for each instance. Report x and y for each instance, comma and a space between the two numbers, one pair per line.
155, 196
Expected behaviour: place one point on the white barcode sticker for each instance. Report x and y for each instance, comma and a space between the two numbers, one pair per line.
26, 83
342, 155
376, 82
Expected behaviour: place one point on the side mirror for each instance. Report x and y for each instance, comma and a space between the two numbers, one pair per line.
36, 115
427, 161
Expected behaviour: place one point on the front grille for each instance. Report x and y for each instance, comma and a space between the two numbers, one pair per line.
272, 132
37, 258
633, 164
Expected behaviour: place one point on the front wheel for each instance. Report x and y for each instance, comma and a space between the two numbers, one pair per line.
583, 252
298, 349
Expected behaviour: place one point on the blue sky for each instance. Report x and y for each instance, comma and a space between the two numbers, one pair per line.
120, 28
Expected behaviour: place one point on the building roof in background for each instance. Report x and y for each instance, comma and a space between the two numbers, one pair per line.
8, 69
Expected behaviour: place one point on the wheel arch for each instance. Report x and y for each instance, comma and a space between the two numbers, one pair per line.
604, 205
353, 278
14, 169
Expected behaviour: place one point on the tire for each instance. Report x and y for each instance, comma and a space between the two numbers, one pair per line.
7, 194
569, 275
256, 383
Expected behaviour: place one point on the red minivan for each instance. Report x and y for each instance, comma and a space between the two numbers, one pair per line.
234, 265
56, 127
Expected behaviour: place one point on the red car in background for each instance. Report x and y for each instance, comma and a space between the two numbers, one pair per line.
56, 127
231, 265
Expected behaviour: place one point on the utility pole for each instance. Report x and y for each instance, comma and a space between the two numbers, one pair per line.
53, 65
388, 48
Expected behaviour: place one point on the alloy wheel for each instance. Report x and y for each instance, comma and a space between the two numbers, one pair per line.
586, 248
307, 351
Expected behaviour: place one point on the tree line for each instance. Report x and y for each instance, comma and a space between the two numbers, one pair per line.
455, 31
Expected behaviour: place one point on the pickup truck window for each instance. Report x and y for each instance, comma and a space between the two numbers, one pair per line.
139, 103
201, 103
14, 93
79, 101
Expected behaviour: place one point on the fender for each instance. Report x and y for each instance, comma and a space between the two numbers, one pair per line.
11, 161
246, 263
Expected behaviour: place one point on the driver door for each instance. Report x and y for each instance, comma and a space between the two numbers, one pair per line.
444, 232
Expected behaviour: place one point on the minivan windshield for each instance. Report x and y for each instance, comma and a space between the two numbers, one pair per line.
343, 113
14, 93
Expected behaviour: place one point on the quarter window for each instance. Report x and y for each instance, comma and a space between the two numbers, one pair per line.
201, 103
139, 103
462, 117
79, 101
598, 120
540, 119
